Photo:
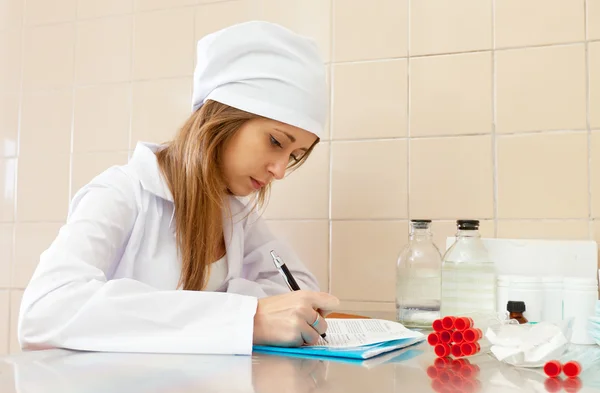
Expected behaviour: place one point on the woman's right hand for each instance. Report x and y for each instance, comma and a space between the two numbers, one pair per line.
285, 320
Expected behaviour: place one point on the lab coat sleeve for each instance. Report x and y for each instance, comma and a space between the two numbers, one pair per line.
260, 278
69, 303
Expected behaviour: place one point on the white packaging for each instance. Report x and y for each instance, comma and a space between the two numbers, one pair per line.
502, 292
579, 302
552, 309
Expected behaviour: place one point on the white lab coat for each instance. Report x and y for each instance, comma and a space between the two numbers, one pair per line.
108, 282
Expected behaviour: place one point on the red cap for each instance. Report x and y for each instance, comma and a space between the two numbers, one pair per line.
433, 338
468, 349
553, 385
572, 385
463, 323
432, 372
571, 368
445, 336
472, 334
552, 368
437, 325
448, 322
457, 336
457, 351
442, 350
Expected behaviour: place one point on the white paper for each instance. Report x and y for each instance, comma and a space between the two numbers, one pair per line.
350, 333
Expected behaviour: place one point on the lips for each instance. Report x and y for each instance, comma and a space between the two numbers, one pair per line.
257, 184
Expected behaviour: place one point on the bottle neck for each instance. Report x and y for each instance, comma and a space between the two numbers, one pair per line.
420, 234
470, 234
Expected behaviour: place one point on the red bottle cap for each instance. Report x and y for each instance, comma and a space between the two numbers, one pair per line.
437, 325
433, 338
442, 350
571, 368
457, 351
468, 349
448, 322
446, 336
463, 323
472, 334
457, 336
552, 368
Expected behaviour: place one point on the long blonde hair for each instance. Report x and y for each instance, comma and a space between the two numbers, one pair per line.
191, 164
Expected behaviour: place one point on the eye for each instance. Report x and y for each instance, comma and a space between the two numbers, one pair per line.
275, 142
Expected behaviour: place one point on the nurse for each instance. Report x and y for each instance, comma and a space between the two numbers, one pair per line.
168, 253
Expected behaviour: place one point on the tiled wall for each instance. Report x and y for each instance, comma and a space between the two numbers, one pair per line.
485, 109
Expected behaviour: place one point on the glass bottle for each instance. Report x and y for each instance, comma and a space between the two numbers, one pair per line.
468, 274
418, 278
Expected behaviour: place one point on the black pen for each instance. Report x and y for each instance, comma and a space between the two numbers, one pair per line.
287, 276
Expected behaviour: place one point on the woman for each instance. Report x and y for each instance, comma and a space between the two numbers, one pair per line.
161, 254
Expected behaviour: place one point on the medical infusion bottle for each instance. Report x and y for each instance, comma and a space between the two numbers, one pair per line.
418, 278
515, 311
468, 274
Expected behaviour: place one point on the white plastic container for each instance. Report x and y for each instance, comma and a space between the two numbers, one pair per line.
502, 292
528, 289
579, 302
552, 310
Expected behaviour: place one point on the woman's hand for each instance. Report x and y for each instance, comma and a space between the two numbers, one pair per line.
285, 320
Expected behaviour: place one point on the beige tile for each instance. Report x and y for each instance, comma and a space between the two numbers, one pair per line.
88, 165
6, 254
311, 18
363, 259
442, 230
46, 122
310, 240
370, 100
215, 16
9, 124
102, 118
43, 192
369, 30
527, 229
440, 26
48, 56
96, 9
594, 67
15, 304
595, 235
103, 50
10, 66
289, 196
164, 52
369, 180
451, 94
541, 89
593, 19
373, 309
11, 14
538, 22
595, 172
8, 174
39, 12
31, 239
447, 185
4, 321
160, 108
543, 176
146, 5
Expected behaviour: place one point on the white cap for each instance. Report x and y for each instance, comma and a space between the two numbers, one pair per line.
265, 69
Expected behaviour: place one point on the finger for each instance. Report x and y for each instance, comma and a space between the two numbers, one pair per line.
309, 334
319, 323
322, 300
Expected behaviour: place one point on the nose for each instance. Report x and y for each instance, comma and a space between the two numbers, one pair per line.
277, 169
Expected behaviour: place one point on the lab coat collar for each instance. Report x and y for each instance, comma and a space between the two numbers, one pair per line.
150, 176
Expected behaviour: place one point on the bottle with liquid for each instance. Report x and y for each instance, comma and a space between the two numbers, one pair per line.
418, 278
468, 274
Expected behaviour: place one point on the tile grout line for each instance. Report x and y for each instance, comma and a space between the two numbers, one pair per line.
587, 71
494, 121
408, 111
332, 7
131, 85
73, 94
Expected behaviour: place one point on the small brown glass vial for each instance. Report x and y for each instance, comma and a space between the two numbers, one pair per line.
516, 310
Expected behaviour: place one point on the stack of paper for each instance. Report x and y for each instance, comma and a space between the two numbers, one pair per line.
355, 338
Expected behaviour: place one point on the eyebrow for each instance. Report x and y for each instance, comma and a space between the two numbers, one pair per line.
291, 138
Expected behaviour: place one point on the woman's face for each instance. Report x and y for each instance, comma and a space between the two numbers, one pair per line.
260, 151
